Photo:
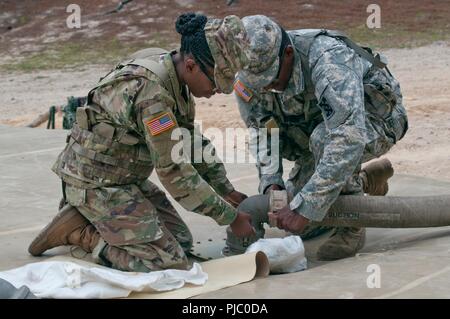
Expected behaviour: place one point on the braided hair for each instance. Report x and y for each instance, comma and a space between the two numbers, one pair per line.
193, 40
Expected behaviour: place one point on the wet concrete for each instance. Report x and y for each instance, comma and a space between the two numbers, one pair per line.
413, 263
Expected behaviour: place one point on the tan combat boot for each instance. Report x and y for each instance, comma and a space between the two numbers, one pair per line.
344, 242
375, 177
68, 227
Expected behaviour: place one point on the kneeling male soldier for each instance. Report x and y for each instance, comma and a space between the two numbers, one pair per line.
122, 134
334, 104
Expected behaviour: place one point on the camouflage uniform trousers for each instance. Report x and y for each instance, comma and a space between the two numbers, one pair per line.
378, 143
140, 229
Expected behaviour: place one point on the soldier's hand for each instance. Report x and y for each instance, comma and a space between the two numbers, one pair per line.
274, 187
242, 225
288, 220
235, 198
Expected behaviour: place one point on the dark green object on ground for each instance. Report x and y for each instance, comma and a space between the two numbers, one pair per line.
70, 110
51, 117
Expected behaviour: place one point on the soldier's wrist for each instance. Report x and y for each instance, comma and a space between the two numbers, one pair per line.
304, 208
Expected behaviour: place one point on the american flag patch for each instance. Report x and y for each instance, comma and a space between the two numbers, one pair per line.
242, 91
160, 124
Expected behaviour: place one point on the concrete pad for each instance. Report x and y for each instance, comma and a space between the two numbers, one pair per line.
412, 262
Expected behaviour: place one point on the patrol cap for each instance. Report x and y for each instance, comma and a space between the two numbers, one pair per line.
227, 40
264, 42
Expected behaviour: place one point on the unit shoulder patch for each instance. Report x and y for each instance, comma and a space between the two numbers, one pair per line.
160, 124
242, 91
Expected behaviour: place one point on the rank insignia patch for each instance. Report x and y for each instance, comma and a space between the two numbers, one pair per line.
160, 124
242, 91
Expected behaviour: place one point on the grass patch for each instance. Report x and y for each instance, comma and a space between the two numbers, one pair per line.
76, 54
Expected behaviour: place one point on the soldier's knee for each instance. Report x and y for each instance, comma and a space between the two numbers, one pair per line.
175, 260
144, 259
183, 236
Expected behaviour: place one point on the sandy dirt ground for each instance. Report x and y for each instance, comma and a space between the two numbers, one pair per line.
424, 74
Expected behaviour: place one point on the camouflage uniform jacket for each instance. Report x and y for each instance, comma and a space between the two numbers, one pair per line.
125, 132
339, 77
